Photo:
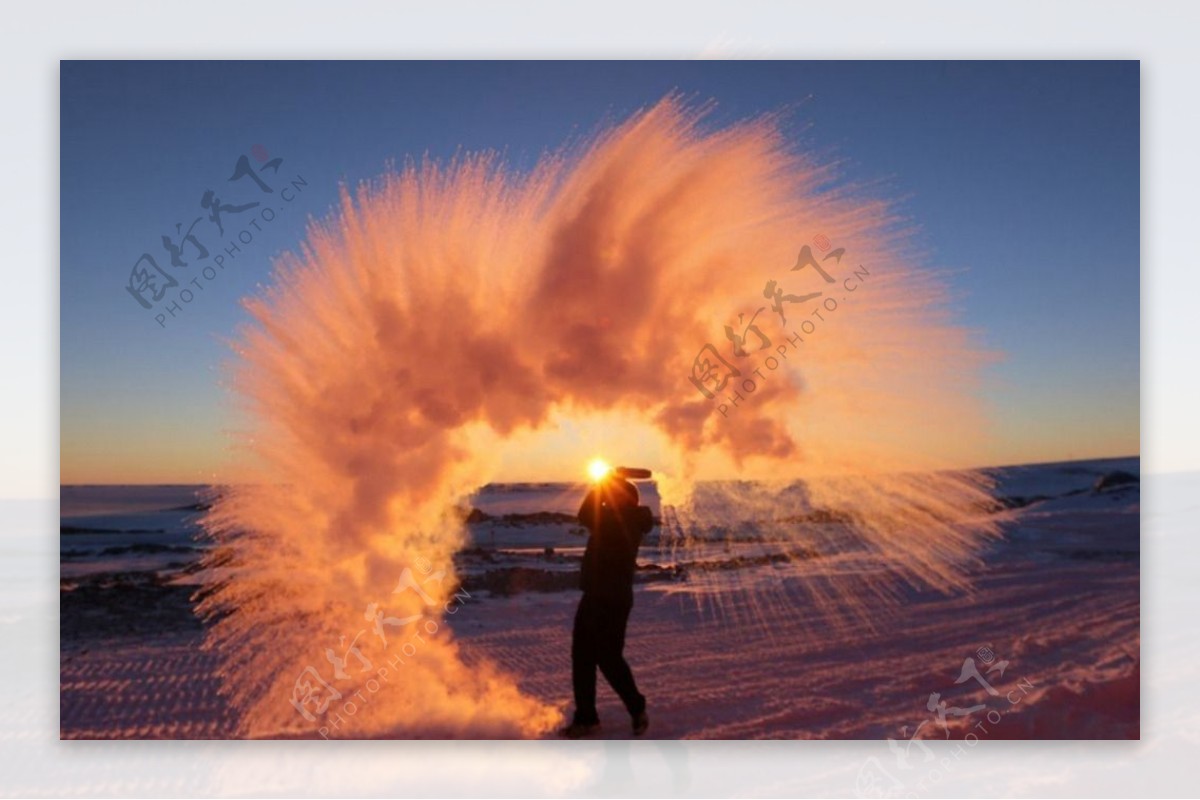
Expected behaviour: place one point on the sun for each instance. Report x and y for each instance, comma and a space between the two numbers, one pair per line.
597, 469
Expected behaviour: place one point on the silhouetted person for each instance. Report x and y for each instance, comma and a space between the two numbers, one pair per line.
616, 524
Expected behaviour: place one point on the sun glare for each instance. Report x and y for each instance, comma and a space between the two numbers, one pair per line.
598, 468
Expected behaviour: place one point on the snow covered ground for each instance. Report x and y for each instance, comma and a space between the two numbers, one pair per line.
723, 643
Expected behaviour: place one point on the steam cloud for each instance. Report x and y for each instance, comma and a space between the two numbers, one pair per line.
449, 307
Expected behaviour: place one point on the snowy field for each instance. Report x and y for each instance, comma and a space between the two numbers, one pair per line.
723, 642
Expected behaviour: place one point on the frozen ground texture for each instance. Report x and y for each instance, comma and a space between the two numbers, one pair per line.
722, 642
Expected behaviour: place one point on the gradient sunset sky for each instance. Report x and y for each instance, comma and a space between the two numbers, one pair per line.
1022, 176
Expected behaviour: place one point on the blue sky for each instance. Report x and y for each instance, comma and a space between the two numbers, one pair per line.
1023, 177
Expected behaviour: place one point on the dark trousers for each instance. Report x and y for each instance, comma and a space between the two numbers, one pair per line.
598, 641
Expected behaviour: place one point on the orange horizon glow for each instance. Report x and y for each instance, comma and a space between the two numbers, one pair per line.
553, 454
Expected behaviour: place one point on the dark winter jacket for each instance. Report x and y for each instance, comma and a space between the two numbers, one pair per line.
616, 524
